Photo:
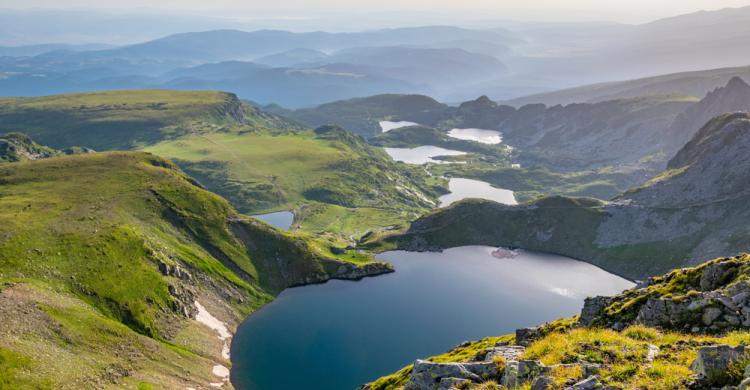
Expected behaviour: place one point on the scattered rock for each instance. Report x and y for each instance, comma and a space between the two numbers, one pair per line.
453, 383
542, 383
591, 383
526, 336
507, 352
518, 372
428, 375
653, 352
712, 363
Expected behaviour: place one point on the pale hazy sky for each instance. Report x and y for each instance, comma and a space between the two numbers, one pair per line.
543, 10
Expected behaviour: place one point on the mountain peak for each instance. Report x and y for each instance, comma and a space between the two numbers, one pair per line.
737, 82
481, 102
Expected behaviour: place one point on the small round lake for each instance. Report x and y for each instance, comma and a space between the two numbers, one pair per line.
387, 126
280, 220
491, 137
340, 335
421, 155
467, 188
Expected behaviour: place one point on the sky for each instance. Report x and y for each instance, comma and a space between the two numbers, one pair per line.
628, 11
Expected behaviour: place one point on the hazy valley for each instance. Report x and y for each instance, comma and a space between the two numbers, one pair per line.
189, 206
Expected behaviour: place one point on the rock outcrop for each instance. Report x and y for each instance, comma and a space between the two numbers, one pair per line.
713, 365
712, 298
733, 97
426, 375
501, 364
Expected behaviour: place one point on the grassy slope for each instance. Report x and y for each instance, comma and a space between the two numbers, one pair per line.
81, 242
623, 354
333, 183
258, 161
363, 115
120, 119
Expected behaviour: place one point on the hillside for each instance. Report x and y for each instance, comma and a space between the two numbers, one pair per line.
613, 133
682, 330
583, 136
695, 83
110, 261
686, 215
258, 161
362, 115
127, 119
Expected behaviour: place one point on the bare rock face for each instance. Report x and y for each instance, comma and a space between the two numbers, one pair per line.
734, 97
526, 336
592, 308
716, 275
712, 364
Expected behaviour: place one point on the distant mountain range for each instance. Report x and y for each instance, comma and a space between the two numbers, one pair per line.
448, 63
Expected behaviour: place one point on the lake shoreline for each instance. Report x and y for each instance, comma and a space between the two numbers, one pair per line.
421, 267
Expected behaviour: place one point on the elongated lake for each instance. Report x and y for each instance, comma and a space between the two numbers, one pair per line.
490, 137
387, 126
467, 188
421, 154
342, 334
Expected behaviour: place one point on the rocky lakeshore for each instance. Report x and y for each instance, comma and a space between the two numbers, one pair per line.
685, 330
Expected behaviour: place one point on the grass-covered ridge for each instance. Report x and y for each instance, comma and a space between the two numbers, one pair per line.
333, 180
101, 259
125, 119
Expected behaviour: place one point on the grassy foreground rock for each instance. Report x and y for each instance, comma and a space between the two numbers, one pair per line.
615, 343
111, 264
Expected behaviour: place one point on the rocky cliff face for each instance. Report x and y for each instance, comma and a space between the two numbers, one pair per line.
734, 97
713, 167
583, 136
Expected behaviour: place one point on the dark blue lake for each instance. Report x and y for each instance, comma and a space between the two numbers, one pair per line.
340, 335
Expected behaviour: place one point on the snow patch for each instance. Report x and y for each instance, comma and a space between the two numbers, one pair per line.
205, 318
213, 323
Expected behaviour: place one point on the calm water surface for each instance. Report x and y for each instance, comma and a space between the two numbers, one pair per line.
341, 334
467, 188
280, 220
387, 126
491, 137
420, 155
